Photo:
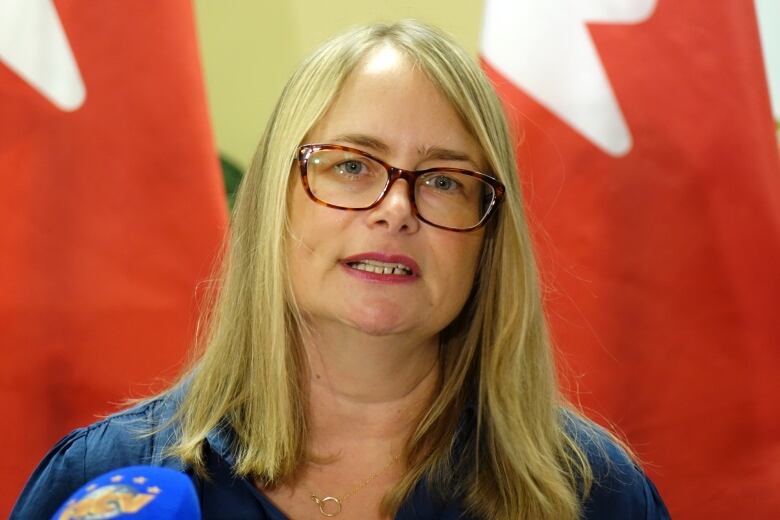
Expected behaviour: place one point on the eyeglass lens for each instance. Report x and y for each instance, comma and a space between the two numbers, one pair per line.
350, 180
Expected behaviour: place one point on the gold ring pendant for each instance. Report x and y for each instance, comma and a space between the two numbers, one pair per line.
322, 502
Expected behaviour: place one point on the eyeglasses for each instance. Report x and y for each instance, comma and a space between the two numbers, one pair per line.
345, 178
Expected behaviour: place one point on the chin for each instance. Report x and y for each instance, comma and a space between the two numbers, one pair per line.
378, 326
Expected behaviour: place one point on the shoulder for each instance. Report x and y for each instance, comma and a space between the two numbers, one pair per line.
620, 488
136, 436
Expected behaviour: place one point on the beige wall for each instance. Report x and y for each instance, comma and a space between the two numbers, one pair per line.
250, 47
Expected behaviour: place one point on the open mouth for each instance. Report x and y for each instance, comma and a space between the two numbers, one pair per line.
374, 266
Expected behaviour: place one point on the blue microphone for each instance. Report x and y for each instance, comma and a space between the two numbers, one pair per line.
136, 492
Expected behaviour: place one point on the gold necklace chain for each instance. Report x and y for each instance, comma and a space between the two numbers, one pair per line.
331, 505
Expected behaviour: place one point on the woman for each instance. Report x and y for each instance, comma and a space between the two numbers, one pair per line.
377, 348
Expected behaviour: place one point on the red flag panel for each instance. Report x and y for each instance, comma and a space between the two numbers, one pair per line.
661, 265
109, 215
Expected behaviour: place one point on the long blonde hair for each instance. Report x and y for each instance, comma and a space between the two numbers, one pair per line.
520, 461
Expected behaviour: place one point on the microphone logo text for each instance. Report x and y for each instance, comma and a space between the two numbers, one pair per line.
108, 501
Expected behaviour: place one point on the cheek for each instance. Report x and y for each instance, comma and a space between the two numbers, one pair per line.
308, 223
302, 245
314, 237
464, 252
298, 208
458, 258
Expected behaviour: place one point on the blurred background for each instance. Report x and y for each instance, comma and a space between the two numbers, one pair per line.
648, 147
244, 77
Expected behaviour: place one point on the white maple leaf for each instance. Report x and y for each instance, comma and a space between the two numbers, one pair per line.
33, 44
544, 47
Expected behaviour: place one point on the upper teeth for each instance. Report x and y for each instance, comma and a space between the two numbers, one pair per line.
373, 266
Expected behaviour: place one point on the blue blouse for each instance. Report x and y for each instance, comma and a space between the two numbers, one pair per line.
621, 490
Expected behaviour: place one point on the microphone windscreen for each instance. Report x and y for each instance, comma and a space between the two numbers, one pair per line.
136, 492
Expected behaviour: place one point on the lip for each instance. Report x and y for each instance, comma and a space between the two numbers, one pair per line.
382, 257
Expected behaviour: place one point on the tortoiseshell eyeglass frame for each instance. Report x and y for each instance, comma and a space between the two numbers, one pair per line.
393, 174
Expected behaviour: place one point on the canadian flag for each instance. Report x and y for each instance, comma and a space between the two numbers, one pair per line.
651, 174
111, 209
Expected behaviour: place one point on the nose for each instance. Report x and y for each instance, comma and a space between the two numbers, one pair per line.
395, 213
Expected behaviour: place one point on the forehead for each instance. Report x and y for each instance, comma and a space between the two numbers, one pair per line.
390, 98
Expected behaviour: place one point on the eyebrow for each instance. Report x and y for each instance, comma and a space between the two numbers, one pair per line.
363, 140
426, 153
444, 154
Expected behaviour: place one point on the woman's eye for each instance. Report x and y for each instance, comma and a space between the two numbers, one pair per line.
443, 183
351, 167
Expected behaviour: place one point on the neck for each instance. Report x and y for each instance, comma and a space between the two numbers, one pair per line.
366, 388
